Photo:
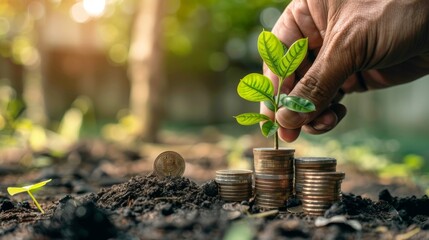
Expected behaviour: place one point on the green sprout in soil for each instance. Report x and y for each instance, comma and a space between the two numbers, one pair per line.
256, 87
15, 190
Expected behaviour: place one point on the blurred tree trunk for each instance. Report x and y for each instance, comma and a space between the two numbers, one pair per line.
145, 68
33, 87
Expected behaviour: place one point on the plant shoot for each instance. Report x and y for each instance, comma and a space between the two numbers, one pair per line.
15, 190
256, 87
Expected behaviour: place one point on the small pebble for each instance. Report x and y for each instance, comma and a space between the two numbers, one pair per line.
167, 209
24, 204
206, 204
6, 205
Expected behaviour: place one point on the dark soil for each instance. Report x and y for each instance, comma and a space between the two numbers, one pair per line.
85, 201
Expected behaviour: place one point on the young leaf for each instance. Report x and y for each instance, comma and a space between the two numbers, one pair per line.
251, 118
38, 185
15, 190
271, 51
298, 104
255, 87
282, 97
294, 56
270, 105
269, 128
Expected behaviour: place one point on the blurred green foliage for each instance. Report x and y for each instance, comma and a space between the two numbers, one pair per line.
240, 230
16, 31
11, 109
211, 33
17, 131
388, 158
217, 34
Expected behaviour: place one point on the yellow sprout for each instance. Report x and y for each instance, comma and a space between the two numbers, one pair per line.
15, 190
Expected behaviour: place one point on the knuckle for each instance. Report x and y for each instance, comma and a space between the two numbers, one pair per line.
314, 89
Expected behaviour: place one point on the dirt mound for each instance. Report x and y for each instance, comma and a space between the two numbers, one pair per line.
149, 192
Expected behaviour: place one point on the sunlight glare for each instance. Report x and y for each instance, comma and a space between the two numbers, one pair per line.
94, 8
78, 13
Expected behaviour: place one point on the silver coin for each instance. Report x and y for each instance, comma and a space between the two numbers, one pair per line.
315, 160
234, 172
273, 176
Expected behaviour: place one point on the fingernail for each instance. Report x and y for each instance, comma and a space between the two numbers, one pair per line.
321, 127
289, 119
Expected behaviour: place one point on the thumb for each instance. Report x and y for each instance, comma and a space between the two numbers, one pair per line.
320, 85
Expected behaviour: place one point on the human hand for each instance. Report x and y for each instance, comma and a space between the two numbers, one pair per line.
353, 46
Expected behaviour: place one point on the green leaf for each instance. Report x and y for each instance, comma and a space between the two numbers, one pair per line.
15, 190
251, 118
298, 104
269, 128
271, 51
15, 108
38, 185
294, 56
270, 105
255, 87
282, 97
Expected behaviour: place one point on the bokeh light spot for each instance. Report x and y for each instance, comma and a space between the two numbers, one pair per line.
221, 22
36, 10
118, 53
4, 26
94, 8
236, 48
78, 13
181, 45
269, 16
109, 33
24, 52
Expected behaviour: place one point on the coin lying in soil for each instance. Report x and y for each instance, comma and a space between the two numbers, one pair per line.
169, 163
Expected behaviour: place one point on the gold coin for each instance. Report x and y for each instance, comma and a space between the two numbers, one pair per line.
169, 163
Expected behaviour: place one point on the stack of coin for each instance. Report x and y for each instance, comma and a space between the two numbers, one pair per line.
234, 185
320, 190
309, 165
169, 163
273, 190
273, 176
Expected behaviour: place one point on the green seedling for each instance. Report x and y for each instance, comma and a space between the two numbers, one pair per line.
15, 190
256, 87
